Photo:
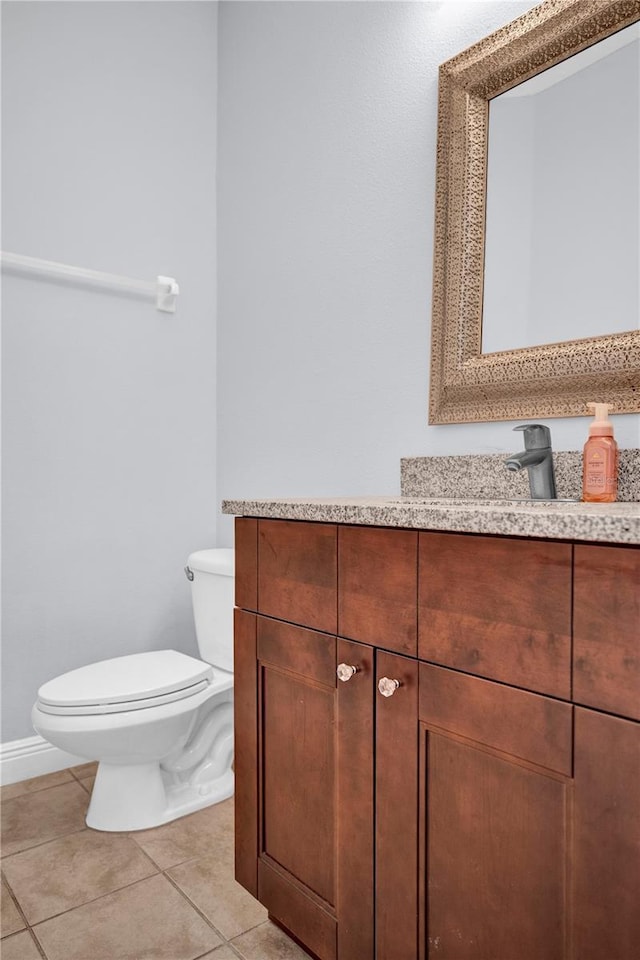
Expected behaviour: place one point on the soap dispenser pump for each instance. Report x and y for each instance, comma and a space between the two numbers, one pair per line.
600, 459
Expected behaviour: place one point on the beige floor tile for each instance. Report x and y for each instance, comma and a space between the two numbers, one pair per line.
37, 817
85, 770
268, 942
11, 790
65, 873
20, 947
10, 919
209, 883
189, 837
149, 920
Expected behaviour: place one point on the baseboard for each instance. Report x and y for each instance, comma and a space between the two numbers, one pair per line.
31, 757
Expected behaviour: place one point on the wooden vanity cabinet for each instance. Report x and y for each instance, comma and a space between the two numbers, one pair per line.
465, 816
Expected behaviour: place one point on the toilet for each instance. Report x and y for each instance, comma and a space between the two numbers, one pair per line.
159, 723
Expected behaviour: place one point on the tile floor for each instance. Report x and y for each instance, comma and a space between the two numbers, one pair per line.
70, 893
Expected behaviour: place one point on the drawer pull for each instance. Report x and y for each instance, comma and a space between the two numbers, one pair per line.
345, 671
388, 687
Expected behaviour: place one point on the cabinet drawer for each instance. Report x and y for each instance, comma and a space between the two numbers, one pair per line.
497, 607
378, 587
606, 623
297, 572
521, 724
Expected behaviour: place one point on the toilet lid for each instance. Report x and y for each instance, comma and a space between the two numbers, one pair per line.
137, 677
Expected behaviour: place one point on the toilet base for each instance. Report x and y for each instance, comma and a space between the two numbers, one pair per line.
138, 797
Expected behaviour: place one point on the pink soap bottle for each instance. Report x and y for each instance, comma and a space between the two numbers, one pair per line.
600, 459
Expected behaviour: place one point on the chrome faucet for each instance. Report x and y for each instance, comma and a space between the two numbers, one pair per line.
538, 459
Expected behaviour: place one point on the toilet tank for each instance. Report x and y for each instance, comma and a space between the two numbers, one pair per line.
212, 593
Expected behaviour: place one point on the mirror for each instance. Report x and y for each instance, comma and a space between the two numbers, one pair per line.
563, 201
536, 292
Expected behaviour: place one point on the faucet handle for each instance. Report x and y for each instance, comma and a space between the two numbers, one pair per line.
536, 435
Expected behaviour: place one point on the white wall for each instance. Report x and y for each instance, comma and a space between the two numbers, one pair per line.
326, 166
109, 150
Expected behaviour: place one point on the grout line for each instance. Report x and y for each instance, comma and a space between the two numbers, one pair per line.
230, 946
39, 946
34, 936
16, 902
134, 834
84, 776
157, 866
42, 843
235, 951
79, 906
82, 784
227, 944
28, 931
32, 793
196, 908
255, 927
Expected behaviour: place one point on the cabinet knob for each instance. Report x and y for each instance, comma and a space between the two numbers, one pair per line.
345, 671
388, 687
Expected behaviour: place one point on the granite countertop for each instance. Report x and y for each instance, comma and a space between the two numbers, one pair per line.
475, 494
552, 519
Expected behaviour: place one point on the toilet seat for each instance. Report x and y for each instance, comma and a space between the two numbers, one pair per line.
122, 684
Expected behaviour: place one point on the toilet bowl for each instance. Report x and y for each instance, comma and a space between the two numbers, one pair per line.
159, 723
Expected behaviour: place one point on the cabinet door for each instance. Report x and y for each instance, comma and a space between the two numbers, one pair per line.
355, 804
495, 767
607, 837
297, 572
397, 810
297, 781
304, 783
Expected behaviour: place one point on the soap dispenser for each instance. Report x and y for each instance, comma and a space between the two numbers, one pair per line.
600, 459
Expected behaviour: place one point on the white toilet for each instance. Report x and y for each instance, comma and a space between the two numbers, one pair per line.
160, 723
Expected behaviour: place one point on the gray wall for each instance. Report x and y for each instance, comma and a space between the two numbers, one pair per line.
109, 151
326, 166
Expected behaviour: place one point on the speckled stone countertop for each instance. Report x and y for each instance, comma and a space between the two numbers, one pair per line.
556, 520
476, 494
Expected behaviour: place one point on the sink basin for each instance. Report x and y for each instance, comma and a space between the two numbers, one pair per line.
474, 502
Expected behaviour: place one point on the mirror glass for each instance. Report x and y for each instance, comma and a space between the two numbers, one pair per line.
562, 244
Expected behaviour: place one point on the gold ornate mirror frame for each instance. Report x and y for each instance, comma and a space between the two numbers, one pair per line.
553, 380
